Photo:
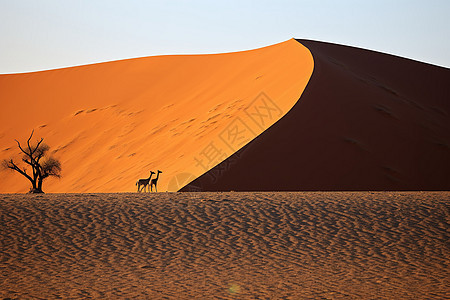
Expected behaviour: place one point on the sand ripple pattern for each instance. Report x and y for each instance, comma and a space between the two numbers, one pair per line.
225, 246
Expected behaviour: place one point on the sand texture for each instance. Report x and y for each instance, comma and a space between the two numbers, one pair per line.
313, 245
111, 123
366, 121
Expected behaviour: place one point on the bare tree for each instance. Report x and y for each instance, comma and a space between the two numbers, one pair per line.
42, 165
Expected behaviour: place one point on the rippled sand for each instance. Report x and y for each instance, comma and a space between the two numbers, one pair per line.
363, 245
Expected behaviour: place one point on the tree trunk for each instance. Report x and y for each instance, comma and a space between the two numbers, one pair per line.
39, 185
33, 186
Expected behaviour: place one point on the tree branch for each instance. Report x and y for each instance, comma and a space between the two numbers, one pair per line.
37, 146
11, 165
20, 147
25, 160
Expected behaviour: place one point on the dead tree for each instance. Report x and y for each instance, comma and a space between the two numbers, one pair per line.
42, 165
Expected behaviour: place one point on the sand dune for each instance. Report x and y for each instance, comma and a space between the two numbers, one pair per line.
111, 123
366, 121
225, 246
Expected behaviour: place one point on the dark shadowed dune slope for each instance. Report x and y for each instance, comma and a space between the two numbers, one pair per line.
366, 121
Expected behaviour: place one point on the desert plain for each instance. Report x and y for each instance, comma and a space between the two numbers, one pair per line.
213, 245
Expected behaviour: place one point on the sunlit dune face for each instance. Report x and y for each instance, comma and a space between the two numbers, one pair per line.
111, 123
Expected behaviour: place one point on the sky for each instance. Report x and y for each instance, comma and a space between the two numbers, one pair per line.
49, 34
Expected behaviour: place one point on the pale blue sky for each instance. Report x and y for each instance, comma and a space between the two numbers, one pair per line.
47, 34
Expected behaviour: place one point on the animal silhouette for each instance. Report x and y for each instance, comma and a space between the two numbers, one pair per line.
144, 182
154, 182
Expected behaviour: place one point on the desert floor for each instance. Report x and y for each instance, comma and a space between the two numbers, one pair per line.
311, 245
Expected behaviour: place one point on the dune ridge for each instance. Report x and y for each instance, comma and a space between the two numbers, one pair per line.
366, 121
111, 123
360, 245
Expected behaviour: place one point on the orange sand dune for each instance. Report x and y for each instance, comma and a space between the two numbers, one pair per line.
366, 121
111, 123
332, 245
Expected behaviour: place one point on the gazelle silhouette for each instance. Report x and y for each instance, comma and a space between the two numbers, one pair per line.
144, 182
154, 182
